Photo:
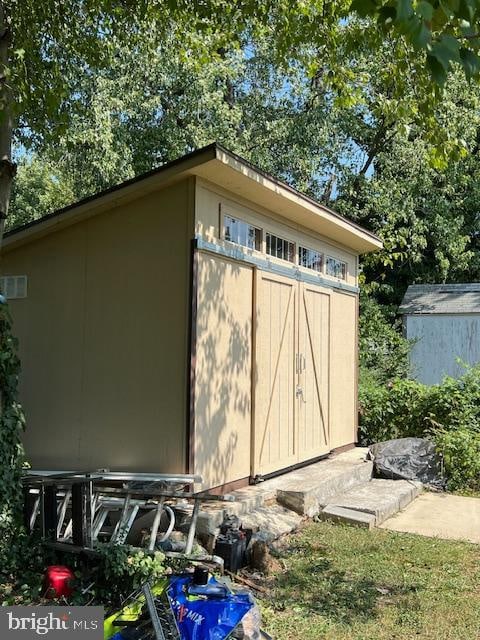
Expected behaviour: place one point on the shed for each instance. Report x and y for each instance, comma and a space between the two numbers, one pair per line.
201, 318
443, 320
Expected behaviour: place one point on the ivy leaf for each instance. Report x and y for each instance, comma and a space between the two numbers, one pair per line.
404, 10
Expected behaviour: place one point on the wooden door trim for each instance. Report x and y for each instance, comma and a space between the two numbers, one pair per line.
192, 358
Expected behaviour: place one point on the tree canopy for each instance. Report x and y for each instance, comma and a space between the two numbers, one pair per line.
369, 157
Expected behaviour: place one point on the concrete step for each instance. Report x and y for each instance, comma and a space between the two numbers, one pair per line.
301, 490
377, 498
272, 521
347, 516
313, 487
246, 501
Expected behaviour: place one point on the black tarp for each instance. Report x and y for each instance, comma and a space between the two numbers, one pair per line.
408, 459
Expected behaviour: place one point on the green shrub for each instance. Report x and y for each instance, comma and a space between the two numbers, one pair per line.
21, 573
105, 579
461, 454
395, 410
118, 571
383, 351
448, 413
127, 568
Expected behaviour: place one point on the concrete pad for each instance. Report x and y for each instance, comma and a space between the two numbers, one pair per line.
348, 516
380, 498
440, 515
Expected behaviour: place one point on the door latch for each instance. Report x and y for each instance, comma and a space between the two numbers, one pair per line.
299, 393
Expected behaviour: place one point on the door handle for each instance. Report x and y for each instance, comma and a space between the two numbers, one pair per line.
300, 362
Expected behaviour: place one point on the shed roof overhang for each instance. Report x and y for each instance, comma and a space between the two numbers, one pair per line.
225, 169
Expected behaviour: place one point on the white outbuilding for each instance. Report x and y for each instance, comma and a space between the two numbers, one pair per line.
443, 320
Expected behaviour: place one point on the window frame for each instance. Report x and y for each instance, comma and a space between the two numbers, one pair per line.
290, 242
320, 253
19, 286
342, 262
232, 216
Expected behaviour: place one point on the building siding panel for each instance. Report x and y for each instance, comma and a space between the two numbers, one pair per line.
439, 341
103, 338
223, 371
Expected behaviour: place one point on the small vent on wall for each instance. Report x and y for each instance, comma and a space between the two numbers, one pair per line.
13, 287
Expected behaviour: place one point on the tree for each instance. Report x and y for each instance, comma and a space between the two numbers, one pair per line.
153, 105
39, 188
427, 216
45, 46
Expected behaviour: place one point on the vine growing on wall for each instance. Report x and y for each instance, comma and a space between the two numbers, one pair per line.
12, 423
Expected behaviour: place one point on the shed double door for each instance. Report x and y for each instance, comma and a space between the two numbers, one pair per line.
292, 323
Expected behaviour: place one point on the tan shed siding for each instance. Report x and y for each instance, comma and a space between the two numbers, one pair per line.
103, 338
275, 443
212, 203
49, 324
223, 370
343, 369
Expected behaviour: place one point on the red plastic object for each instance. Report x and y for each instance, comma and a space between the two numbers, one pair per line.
58, 581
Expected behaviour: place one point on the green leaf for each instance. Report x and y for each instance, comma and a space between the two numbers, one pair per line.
470, 62
421, 36
364, 8
404, 10
467, 10
425, 9
447, 9
437, 70
446, 50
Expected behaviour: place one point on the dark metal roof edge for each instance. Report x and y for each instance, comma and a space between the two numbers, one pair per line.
296, 192
423, 312
215, 147
113, 189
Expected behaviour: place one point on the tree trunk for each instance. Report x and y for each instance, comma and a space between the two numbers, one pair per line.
7, 167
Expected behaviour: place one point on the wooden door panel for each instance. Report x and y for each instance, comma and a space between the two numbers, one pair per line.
313, 381
275, 444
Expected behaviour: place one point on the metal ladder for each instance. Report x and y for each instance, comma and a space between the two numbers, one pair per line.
68, 501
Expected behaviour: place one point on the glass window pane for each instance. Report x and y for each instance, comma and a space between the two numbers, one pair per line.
291, 252
336, 268
310, 259
241, 232
258, 239
280, 248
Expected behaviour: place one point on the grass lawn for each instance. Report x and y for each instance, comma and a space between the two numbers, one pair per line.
348, 583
